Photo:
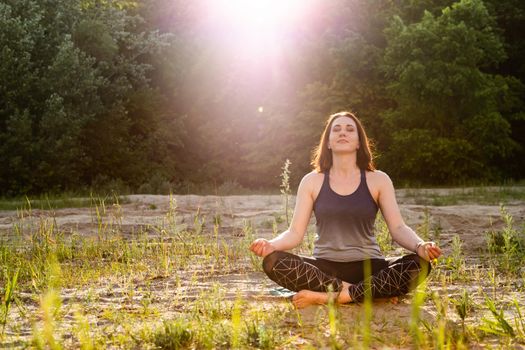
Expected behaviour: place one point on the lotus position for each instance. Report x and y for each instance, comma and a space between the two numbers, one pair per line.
345, 191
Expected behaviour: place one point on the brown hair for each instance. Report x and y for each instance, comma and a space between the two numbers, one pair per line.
322, 157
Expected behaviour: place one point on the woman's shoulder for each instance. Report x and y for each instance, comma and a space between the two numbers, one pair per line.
378, 178
313, 179
311, 184
378, 183
314, 174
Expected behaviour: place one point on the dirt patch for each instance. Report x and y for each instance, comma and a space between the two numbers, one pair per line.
105, 300
470, 222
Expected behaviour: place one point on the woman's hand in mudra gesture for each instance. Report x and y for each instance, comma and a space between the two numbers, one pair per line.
262, 247
428, 251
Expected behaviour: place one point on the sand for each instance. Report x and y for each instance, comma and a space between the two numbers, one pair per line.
142, 213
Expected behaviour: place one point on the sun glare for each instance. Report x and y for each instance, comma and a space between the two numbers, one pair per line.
261, 14
255, 26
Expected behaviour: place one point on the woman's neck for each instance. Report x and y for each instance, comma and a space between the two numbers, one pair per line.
344, 165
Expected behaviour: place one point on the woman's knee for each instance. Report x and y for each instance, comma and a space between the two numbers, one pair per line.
271, 259
422, 266
417, 259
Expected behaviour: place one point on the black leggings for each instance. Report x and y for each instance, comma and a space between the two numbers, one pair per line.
388, 277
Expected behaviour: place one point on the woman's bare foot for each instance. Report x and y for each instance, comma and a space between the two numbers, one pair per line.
306, 298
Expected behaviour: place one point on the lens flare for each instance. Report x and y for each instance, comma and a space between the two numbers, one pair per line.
255, 27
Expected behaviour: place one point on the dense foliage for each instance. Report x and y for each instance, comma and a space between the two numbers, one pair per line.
145, 93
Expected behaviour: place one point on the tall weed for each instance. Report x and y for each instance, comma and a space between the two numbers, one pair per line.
285, 189
507, 246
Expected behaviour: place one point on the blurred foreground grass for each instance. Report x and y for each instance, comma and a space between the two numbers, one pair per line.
186, 285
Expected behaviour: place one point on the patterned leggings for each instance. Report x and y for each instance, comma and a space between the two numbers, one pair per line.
388, 277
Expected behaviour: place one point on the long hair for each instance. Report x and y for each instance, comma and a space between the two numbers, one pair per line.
322, 156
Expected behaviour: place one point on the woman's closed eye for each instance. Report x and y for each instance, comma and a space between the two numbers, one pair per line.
348, 128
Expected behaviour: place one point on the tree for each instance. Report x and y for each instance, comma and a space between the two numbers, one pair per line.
73, 74
510, 17
447, 126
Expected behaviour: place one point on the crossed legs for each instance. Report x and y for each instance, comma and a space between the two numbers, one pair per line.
318, 280
313, 285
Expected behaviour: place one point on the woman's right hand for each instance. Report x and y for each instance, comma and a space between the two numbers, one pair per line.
428, 251
262, 247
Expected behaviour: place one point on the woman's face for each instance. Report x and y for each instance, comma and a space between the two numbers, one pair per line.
343, 136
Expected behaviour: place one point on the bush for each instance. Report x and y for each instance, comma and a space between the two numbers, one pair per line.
174, 335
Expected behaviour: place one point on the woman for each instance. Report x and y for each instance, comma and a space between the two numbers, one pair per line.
345, 192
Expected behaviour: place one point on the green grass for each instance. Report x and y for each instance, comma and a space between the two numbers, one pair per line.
171, 287
495, 195
55, 202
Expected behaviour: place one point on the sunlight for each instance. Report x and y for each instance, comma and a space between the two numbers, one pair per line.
255, 26
258, 14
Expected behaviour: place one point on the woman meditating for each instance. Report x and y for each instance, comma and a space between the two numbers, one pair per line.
345, 192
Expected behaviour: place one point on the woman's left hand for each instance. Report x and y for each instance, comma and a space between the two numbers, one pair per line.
429, 251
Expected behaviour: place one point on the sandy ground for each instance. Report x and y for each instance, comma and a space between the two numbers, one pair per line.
470, 222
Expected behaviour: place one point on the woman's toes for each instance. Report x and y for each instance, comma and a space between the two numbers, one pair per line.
306, 298
298, 298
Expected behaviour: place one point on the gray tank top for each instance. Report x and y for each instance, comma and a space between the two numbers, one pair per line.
345, 224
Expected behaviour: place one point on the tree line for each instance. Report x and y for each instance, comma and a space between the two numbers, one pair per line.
94, 92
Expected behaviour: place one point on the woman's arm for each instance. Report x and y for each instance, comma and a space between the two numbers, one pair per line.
294, 235
401, 233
